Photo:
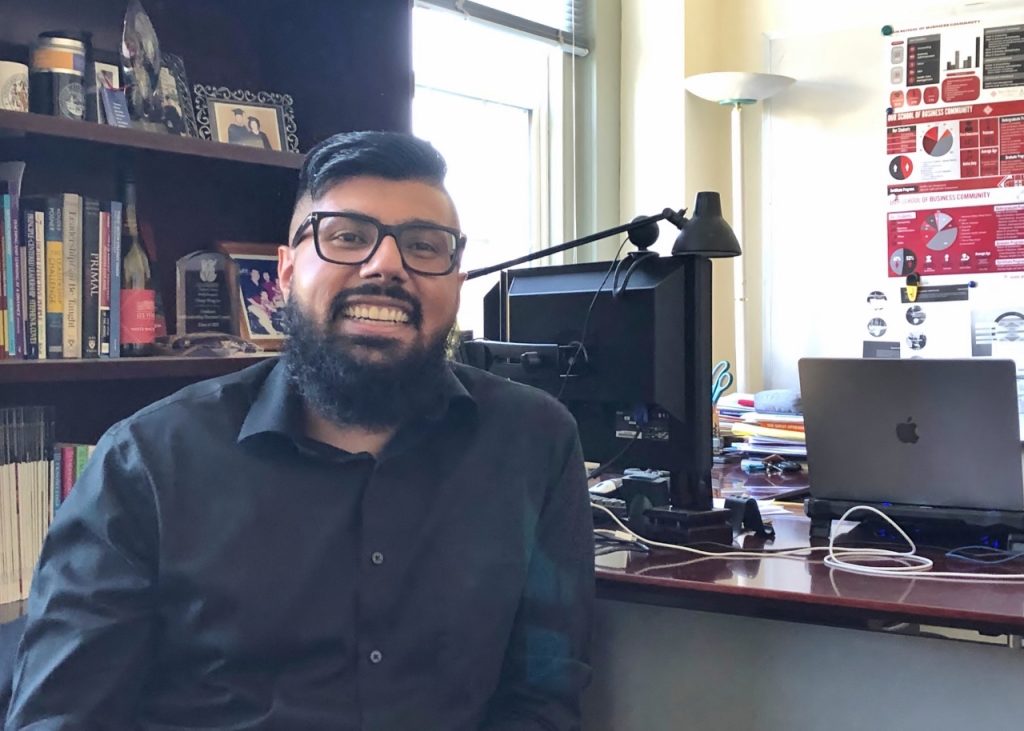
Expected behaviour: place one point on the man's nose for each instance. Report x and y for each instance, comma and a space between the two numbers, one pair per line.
386, 262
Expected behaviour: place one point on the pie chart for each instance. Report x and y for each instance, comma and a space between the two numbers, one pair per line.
900, 167
937, 227
937, 142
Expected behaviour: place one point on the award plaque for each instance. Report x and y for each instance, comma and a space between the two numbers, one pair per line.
204, 294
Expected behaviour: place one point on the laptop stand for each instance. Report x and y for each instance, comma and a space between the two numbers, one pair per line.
948, 527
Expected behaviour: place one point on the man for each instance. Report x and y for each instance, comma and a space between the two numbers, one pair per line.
361, 536
238, 132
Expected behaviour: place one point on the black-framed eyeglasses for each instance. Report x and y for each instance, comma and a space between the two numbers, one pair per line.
352, 238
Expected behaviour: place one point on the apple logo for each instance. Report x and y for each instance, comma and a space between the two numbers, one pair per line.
906, 431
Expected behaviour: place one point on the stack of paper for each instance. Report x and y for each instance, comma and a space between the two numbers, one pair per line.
731, 409
771, 434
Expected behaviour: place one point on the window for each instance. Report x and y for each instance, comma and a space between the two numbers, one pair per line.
491, 119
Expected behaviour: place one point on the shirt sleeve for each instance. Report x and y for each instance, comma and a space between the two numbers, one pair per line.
87, 646
546, 664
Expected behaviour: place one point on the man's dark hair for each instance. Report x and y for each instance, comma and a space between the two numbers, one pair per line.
389, 155
237, 111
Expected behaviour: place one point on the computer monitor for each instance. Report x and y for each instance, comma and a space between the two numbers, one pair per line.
645, 360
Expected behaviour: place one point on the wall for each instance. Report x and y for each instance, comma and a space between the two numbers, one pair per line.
832, 105
674, 144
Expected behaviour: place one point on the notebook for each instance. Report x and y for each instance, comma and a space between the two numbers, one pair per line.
923, 432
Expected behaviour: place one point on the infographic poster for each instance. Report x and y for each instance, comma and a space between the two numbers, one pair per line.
954, 158
953, 166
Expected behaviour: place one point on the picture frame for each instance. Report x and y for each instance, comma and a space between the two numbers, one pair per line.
257, 300
260, 119
181, 119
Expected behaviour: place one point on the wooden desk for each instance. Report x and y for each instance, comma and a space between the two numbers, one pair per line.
771, 643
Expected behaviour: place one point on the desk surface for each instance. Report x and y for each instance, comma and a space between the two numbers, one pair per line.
806, 590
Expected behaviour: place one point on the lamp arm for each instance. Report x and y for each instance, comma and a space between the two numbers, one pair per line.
676, 217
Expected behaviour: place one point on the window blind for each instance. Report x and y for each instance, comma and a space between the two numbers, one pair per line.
561, 21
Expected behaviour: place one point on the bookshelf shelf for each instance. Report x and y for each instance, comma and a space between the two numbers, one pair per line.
120, 369
21, 124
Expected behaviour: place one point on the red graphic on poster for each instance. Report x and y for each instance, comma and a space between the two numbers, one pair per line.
901, 140
896, 99
913, 97
937, 142
931, 94
968, 240
901, 167
961, 89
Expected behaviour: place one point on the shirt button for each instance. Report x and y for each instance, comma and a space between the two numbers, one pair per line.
376, 657
377, 557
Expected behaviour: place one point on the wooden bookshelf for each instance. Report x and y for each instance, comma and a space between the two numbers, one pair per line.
120, 369
347, 64
47, 129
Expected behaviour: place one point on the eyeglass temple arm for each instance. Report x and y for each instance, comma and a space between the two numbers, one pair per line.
676, 217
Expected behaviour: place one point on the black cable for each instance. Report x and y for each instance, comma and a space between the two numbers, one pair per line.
581, 348
635, 258
622, 453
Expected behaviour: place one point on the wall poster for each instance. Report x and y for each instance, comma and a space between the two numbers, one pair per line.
954, 172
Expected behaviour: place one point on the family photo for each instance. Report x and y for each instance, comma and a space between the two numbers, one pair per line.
252, 125
260, 297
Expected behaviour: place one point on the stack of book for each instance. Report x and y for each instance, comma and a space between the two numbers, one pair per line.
731, 409
764, 434
60, 275
36, 476
26, 438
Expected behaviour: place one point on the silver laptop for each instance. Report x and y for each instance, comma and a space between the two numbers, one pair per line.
913, 432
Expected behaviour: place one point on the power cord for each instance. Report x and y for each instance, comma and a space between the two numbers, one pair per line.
838, 557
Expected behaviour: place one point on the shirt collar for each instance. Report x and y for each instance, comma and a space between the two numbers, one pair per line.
277, 406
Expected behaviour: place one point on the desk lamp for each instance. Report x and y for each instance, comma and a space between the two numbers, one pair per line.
737, 89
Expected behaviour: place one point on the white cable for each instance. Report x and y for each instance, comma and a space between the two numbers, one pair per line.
839, 557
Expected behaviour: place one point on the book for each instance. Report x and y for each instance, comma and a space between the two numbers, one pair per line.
115, 107
11, 174
40, 257
104, 299
116, 212
31, 294
90, 278
72, 275
54, 277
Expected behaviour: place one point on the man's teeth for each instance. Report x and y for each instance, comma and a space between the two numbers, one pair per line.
373, 312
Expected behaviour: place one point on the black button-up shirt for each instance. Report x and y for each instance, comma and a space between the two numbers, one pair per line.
215, 568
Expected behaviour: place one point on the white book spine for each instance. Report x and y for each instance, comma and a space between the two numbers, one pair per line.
41, 281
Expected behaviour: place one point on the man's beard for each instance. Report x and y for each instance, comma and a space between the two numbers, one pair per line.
350, 391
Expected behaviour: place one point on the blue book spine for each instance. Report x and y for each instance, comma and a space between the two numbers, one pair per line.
11, 275
116, 213
57, 476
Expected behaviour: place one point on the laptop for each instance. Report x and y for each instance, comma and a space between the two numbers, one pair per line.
919, 432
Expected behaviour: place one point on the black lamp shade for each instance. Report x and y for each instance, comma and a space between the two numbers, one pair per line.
707, 233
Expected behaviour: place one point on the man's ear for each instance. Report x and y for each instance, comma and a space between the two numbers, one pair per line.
285, 269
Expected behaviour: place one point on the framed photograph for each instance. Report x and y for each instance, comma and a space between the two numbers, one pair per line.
260, 119
259, 303
179, 116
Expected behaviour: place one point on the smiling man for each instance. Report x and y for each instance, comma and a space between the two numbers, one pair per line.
361, 536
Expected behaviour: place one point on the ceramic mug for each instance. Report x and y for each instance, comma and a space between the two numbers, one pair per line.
13, 86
